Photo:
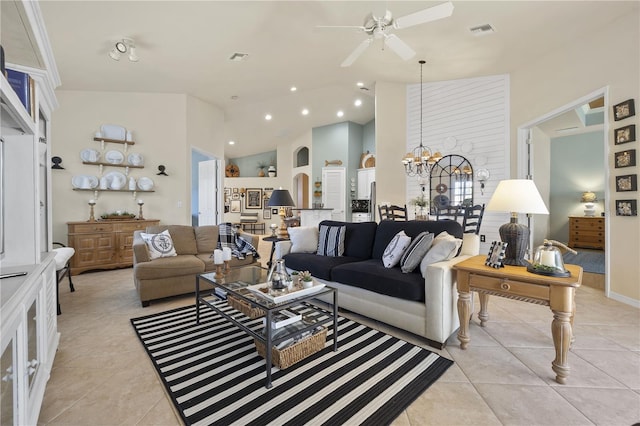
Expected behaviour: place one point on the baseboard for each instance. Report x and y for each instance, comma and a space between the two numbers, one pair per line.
624, 299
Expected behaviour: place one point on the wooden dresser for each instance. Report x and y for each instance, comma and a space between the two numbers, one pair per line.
586, 232
103, 244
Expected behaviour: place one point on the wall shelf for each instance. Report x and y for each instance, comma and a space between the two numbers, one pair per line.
114, 141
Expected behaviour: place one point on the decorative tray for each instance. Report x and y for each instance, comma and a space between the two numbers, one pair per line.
278, 296
118, 216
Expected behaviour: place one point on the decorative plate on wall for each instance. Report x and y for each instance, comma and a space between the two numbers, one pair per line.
441, 188
114, 157
113, 131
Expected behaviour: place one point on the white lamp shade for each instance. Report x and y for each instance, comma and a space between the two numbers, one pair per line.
517, 196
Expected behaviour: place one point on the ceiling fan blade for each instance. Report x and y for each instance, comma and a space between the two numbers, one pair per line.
434, 13
351, 27
356, 53
401, 48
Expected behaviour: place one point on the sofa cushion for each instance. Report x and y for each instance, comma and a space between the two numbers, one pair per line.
319, 266
395, 249
304, 239
415, 252
159, 245
183, 236
372, 275
169, 267
359, 237
331, 240
388, 228
206, 238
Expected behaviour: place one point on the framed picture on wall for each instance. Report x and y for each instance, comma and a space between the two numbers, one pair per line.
266, 214
235, 206
624, 110
626, 183
235, 190
626, 208
253, 199
625, 158
235, 196
625, 134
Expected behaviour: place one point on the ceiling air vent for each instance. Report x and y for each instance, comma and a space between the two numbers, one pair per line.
237, 57
481, 30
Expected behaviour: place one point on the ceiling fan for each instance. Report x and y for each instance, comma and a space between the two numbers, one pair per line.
378, 27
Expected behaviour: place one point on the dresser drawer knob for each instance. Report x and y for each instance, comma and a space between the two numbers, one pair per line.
505, 286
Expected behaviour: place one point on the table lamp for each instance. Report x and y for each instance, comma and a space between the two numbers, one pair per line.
281, 198
516, 196
589, 199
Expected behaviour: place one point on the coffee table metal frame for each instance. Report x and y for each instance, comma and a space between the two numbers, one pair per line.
269, 308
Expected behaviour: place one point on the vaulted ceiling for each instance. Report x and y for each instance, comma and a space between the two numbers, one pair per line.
185, 46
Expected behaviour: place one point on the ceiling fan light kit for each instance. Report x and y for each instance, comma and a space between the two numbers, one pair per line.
378, 27
123, 46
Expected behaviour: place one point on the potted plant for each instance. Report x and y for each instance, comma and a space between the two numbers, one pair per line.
261, 167
307, 279
420, 202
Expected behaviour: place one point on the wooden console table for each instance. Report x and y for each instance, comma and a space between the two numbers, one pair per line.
515, 282
103, 244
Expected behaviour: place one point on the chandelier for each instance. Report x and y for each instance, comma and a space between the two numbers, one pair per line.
418, 162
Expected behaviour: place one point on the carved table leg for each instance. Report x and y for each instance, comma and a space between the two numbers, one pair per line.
464, 314
483, 315
561, 332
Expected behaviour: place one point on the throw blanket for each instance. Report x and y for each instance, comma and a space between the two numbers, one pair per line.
239, 245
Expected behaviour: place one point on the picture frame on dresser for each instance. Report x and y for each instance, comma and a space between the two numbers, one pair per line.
626, 183
625, 134
626, 208
624, 110
495, 258
625, 158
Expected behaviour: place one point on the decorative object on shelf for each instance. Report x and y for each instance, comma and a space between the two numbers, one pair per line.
516, 196
483, 176
547, 260
90, 155
626, 183
118, 215
419, 161
626, 208
115, 180
261, 167
589, 198
132, 184
84, 182
231, 171
332, 163
145, 184
495, 258
135, 159
114, 157
92, 203
625, 134
161, 171
271, 171
140, 204
123, 46
281, 198
625, 158
624, 110
57, 163
113, 131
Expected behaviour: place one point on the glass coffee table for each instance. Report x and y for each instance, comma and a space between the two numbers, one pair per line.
236, 285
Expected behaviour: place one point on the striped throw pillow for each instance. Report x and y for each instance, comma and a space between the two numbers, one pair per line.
331, 240
416, 251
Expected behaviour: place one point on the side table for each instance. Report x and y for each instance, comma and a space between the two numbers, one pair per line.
515, 282
273, 240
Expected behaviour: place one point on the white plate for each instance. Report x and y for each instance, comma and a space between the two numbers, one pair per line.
449, 143
466, 147
135, 159
84, 182
145, 184
285, 295
114, 157
113, 131
90, 155
115, 180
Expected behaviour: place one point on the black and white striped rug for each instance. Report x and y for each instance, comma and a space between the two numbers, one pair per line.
215, 376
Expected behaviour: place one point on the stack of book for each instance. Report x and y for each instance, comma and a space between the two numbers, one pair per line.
25, 88
220, 293
283, 318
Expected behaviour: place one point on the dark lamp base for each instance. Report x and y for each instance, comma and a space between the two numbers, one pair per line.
516, 236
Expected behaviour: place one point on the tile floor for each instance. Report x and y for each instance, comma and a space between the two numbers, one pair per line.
102, 375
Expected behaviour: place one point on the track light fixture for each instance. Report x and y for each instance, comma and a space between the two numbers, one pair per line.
123, 46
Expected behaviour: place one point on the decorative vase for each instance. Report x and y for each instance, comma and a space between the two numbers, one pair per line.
261, 173
271, 171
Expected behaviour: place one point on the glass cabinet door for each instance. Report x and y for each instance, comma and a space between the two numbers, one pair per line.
7, 385
32, 342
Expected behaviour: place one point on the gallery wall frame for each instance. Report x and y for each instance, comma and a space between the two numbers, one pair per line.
626, 208
235, 206
625, 158
625, 134
624, 110
253, 199
626, 183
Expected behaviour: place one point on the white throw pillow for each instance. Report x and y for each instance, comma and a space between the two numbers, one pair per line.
159, 245
395, 249
304, 239
444, 247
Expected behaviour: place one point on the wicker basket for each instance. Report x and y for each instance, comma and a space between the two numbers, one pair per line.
298, 351
245, 308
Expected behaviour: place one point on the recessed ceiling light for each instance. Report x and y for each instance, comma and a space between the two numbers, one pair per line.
267, 117
357, 102
234, 97
305, 111
293, 88
232, 142
359, 84
481, 30
340, 113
